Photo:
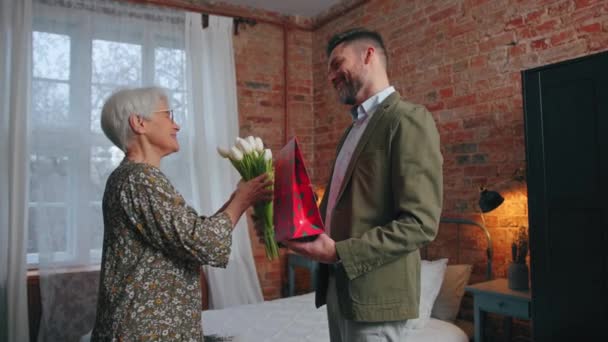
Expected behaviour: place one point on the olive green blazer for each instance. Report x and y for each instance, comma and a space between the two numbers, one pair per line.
387, 208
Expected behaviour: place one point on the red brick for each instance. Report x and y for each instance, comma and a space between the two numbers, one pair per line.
446, 92
526, 33
506, 38
494, 94
446, 13
481, 109
539, 44
514, 23
434, 106
480, 170
461, 101
585, 3
460, 136
535, 15
460, 65
441, 81
562, 52
517, 50
560, 8
597, 43
562, 37
460, 52
476, 122
591, 28
449, 126
461, 28
473, 3
546, 27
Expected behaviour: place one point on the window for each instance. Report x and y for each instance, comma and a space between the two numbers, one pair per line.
76, 64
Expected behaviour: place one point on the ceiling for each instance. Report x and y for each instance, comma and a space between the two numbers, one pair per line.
307, 8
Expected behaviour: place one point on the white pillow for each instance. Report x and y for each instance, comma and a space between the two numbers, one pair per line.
447, 303
431, 278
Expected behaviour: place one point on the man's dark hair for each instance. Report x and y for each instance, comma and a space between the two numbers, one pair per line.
358, 34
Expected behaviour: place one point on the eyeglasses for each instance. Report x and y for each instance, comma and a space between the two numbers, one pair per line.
169, 111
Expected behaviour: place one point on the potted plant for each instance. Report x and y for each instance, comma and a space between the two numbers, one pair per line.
517, 273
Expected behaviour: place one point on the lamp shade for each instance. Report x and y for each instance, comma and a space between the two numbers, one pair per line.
489, 200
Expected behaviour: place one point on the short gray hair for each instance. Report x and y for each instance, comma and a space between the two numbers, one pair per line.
124, 102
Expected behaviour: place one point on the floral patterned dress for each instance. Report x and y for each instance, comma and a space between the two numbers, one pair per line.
154, 245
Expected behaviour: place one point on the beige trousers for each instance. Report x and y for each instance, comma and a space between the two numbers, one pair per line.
343, 330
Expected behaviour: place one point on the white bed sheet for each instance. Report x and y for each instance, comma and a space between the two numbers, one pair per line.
295, 319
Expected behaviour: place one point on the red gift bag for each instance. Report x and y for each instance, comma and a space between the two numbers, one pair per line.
296, 215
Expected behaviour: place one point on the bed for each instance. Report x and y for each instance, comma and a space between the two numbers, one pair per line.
296, 318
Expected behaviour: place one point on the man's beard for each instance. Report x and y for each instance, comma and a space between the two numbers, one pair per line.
349, 90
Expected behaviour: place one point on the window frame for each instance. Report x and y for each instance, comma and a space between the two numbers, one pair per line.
80, 144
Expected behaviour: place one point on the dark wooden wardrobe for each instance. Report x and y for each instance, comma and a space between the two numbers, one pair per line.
566, 128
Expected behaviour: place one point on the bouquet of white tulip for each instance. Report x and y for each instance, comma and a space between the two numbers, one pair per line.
251, 160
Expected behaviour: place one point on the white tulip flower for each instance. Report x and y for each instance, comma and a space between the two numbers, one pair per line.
251, 141
259, 145
267, 154
236, 154
244, 146
225, 153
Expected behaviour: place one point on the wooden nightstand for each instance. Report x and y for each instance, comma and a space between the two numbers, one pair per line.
294, 260
496, 297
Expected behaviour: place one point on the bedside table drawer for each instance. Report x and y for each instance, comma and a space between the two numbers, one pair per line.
504, 306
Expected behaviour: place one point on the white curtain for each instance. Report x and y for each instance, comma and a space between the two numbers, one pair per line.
82, 51
212, 92
15, 52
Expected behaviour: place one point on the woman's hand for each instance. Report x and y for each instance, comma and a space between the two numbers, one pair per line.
247, 194
256, 190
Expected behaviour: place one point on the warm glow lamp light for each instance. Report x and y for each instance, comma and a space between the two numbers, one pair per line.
488, 201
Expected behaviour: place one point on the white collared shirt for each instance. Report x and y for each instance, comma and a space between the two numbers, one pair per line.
363, 113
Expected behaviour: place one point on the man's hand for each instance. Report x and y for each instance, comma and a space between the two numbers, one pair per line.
322, 249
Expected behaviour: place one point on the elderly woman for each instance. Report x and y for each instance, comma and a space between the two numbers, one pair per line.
154, 243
